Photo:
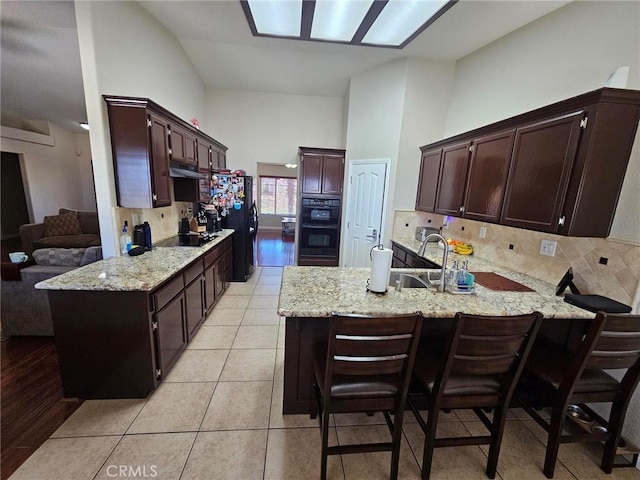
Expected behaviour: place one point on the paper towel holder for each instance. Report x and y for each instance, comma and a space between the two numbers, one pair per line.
380, 246
386, 290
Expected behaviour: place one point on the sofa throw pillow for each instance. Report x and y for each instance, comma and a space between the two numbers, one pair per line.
64, 224
62, 257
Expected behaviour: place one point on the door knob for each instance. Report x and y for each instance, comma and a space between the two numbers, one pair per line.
374, 235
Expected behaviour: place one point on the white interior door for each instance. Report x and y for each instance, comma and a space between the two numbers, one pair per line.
366, 202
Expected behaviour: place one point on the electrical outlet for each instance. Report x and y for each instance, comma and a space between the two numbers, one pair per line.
548, 248
483, 232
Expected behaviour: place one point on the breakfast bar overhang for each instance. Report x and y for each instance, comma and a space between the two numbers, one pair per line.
308, 295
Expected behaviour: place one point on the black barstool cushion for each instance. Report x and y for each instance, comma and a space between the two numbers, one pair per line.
545, 363
428, 365
354, 386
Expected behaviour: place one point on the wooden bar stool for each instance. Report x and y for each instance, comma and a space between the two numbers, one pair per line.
365, 367
480, 367
557, 377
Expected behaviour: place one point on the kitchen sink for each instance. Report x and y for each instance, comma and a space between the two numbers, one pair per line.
415, 280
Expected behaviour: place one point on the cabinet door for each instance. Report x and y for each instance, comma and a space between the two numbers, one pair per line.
177, 144
452, 180
428, 180
219, 276
194, 308
222, 160
332, 174
190, 148
210, 287
541, 163
488, 171
311, 173
204, 155
161, 187
170, 333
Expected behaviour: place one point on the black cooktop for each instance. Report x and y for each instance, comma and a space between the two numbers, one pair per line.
187, 240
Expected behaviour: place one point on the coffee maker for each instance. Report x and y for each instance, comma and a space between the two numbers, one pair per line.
142, 236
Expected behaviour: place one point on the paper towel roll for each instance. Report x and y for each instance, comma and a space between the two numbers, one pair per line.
380, 269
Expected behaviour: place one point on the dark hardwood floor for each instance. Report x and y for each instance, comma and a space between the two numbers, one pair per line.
31, 397
274, 250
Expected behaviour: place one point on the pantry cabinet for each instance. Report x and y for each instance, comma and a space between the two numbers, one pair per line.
145, 140
322, 171
556, 169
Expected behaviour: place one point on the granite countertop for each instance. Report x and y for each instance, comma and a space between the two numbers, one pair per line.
317, 291
124, 273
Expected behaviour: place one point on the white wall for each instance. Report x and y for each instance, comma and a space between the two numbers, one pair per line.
566, 53
393, 110
269, 127
53, 174
126, 51
427, 96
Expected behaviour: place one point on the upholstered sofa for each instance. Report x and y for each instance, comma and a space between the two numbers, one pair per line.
24, 309
68, 229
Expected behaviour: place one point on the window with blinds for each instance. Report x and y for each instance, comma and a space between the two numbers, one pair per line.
278, 195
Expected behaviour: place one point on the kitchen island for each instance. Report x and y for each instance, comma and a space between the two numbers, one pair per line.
120, 324
308, 295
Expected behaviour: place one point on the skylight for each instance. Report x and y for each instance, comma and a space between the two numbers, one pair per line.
380, 23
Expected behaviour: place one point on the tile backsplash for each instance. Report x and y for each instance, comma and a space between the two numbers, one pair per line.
618, 279
164, 221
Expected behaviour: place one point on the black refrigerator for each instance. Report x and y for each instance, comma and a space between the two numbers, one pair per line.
244, 221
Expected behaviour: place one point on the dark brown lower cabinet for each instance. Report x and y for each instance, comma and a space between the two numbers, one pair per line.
193, 294
115, 344
403, 258
171, 338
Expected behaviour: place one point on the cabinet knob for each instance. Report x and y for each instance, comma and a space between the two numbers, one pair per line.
461, 209
155, 197
561, 220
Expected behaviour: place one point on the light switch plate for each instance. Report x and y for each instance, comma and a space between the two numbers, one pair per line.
483, 232
548, 247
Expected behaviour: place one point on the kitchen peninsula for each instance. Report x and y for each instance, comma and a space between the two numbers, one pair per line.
309, 294
120, 324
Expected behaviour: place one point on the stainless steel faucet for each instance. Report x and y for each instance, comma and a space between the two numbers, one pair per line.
445, 256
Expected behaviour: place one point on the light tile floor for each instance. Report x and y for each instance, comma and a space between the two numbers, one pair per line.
217, 416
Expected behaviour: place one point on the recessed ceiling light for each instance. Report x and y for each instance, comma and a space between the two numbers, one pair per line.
400, 19
375, 23
84, 125
277, 17
338, 19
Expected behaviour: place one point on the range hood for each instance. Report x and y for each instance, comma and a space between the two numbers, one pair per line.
182, 171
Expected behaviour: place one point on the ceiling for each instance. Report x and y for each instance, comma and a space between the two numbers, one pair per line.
40, 61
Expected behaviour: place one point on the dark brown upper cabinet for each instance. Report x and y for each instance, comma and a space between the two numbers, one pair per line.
428, 180
204, 155
452, 179
556, 169
183, 145
322, 171
541, 163
488, 169
144, 139
140, 144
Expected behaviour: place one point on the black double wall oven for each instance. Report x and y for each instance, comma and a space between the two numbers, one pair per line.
320, 230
